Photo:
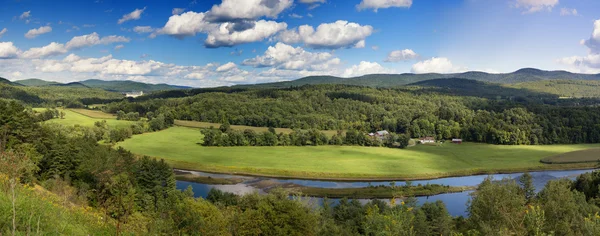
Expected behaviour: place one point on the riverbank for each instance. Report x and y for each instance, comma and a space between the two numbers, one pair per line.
380, 191
178, 146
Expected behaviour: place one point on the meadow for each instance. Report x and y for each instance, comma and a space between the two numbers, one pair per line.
180, 147
87, 118
588, 155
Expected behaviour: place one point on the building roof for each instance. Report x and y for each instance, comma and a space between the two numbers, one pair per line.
382, 132
427, 138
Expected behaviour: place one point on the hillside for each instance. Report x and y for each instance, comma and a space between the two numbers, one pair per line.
563, 88
128, 86
393, 80
468, 87
36, 82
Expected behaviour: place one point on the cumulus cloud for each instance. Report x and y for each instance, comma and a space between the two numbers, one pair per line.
177, 11
294, 15
227, 67
93, 39
532, 6
379, 4
401, 55
25, 15
77, 42
568, 12
134, 15
593, 43
8, 50
235, 10
591, 62
284, 56
2, 32
366, 67
186, 24
340, 34
436, 65
226, 35
143, 29
32, 33
51, 49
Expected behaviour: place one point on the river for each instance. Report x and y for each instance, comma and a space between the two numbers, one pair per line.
455, 202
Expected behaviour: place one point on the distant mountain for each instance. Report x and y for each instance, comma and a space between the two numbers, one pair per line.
6, 81
113, 86
72, 85
468, 87
36, 82
393, 80
128, 86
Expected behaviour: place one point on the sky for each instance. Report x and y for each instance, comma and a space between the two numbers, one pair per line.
207, 43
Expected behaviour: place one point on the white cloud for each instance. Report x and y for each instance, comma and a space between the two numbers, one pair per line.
54, 49
379, 4
17, 74
32, 33
8, 50
532, 6
234, 10
436, 65
283, 56
226, 36
340, 34
2, 32
177, 11
134, 15
401, 55
364, 68
186, 24
294, 15
143, 29
194, 76
51, 49
93, 39
375, 48
568, 12
227, 67
25, 15
593, 43
119, 47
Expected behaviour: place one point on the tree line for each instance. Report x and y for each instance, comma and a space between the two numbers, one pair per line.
415, 113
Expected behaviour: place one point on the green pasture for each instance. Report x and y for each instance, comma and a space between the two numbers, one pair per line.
77, 117
179, 146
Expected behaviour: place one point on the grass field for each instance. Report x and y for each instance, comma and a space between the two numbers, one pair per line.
197, 124
589, 155
87, 118
178, 146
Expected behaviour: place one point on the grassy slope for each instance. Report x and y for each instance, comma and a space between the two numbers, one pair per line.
55, 217
178, 146
72, 117
588, 155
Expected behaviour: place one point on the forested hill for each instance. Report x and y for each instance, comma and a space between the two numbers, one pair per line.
113, 86
128, 86
36, 82
392, 80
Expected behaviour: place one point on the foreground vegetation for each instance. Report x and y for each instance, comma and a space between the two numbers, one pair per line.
94, 189
179, 147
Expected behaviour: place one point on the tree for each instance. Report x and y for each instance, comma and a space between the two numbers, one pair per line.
526, 182
121, 199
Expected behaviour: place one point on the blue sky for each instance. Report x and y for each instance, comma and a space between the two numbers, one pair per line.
206, 43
